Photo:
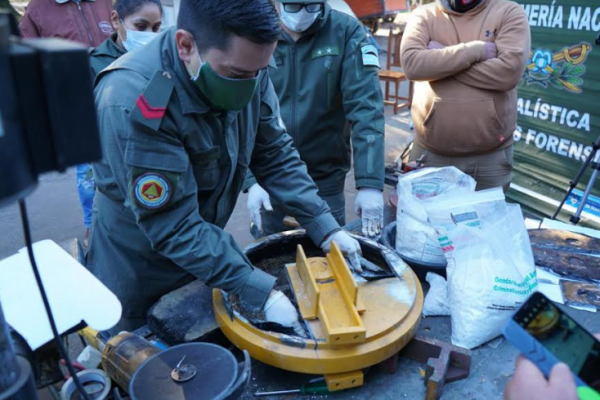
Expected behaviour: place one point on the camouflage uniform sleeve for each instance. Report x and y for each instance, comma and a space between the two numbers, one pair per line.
363, 106
153, 172
279, 170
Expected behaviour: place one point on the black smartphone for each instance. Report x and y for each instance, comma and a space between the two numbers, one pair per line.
546, 335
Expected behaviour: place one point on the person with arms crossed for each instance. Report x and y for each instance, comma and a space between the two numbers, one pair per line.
467, 57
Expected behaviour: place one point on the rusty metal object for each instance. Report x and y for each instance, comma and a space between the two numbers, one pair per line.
574, 265
566, 253
445, 363
390, 365
580, 294
571, 242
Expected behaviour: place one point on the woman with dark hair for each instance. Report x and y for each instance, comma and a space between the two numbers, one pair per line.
135, 23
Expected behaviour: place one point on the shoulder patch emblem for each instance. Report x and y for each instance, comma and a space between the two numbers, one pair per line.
370, 56
152, 190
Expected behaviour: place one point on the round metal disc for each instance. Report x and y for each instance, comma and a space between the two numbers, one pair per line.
184, 373
215, 369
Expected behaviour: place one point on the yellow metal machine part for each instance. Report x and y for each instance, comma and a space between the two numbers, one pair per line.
329, 293
373, 321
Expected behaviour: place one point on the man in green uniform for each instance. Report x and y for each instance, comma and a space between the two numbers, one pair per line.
181, 119
325, 76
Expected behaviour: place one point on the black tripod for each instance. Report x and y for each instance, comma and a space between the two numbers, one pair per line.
595, 168
575, 218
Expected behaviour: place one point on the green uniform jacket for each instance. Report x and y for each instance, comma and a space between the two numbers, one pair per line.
172, 172
325, 79
105, 54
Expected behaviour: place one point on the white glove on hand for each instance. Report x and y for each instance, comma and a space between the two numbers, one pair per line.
348, 246
257, 199
369, 206
279, 309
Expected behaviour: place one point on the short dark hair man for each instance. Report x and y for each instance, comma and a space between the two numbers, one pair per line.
181, 120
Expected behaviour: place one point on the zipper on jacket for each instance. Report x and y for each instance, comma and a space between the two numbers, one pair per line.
85, 23
294, 94
370, 155
328, 63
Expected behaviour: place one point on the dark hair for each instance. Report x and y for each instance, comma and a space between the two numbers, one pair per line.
212, 22
127, 7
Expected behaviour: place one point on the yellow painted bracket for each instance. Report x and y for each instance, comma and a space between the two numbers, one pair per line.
309, 303
346, 380
325, 289
342, 274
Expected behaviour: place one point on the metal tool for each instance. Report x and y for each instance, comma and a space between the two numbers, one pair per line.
191, 371
445, 363
315, 386
124, 354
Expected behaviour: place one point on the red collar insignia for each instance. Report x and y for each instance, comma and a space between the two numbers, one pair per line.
147, 110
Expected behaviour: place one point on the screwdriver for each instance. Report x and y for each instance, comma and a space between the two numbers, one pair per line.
316, 386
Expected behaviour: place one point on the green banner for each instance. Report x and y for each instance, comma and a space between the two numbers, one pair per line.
559, 98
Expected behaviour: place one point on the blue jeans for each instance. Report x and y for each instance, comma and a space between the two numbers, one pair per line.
86, 188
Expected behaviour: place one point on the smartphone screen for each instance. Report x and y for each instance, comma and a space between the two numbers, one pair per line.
562, 336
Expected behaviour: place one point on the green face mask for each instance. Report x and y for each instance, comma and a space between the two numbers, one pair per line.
225, 93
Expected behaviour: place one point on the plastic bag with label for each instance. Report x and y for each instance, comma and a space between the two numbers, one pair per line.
491, 270
415, 237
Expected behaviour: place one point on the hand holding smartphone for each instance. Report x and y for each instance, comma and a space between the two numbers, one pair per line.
547, 336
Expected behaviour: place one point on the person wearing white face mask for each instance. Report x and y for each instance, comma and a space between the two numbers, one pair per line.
325, 75
136, 22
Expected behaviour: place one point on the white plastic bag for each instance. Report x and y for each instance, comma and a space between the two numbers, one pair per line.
415, 238
436, 301
490, 263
